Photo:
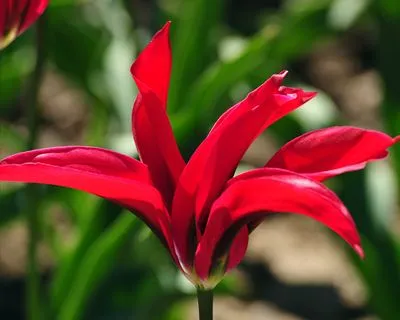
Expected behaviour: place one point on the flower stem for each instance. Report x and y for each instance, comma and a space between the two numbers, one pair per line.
205, 303
34, 85
33, 301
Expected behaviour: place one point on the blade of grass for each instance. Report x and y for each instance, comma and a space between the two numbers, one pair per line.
69, 268
265, 53
33, 290
381, 266
95, 265
192, 48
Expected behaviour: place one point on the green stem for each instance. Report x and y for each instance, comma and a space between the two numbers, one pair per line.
205, 303
34, 85
33, 301
33, 307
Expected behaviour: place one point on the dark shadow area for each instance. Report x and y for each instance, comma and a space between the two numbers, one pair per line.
11, 298
312, 302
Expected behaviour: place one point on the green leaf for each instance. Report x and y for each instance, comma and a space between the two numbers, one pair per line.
192, 47
95, 265
265, 54
389, 8
69, 268
69, 31
381, 266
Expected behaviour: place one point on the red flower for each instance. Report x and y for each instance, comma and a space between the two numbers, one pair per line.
202, 214
16, 16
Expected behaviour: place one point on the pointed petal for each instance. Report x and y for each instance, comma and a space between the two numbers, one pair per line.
324, 153
151, 128
153, 65
253, 195
214, 162
228, 143
102, 172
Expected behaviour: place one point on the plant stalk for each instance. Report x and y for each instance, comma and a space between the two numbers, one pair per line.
33, 300
205, 303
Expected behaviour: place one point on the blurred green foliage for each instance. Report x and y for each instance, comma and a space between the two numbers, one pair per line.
103, 269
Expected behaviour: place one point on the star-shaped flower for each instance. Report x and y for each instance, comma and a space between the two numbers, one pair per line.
201, 213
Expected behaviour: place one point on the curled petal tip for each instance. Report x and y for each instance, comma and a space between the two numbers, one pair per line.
307, 96
166, 27
156, 52
277, 78
359, 250
396, 139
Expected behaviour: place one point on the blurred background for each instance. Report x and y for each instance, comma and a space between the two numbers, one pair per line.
97, 261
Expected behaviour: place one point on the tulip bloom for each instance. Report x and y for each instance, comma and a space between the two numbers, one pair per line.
201, 213
16, 16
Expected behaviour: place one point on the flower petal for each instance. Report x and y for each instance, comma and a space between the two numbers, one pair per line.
228, 143
150, 124
30, 11
252, 195
102, 172
19, 14
324, 153
153, 65
215, 160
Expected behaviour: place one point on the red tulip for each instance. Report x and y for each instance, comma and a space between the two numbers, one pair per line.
16, 16
198, 209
